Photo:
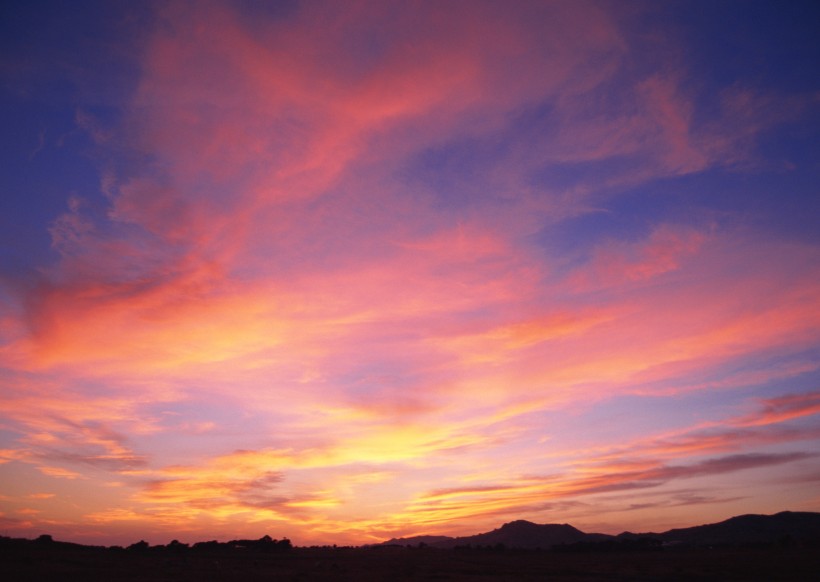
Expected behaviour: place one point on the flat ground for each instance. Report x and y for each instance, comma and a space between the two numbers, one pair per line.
393, 563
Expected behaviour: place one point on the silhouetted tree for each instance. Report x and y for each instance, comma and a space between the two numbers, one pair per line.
177, 546
206, 546
140, 546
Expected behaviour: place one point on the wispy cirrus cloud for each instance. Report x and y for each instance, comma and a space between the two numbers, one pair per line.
424, 243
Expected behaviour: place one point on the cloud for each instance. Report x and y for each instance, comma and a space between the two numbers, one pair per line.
617, 263
758, 429
244, 483
534, 494
728, 464
327, 248
638, 471
782, 409
60, 472
41, 495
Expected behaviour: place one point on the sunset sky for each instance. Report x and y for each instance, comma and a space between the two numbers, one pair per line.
343, 271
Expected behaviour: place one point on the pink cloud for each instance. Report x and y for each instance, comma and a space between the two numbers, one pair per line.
784, 408
269, 257
620, 263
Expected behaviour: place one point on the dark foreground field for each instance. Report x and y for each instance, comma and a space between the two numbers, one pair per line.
395, 563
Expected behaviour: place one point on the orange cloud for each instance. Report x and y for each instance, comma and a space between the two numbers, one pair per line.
321, 288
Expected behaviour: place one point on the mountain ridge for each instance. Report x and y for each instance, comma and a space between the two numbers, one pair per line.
785, 526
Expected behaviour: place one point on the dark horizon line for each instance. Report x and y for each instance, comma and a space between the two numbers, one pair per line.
285, 542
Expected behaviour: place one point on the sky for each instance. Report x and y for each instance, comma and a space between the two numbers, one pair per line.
348, 271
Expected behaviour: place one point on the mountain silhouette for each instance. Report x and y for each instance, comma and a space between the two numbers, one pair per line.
787, 526
516, 534
749, 529
525, 534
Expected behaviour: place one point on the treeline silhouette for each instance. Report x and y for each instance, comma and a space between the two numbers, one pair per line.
265, 544
790, 558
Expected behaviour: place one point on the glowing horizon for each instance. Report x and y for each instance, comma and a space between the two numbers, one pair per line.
341, 272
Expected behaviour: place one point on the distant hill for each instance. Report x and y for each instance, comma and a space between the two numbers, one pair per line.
525, 534
748, 529
784, 527
788, 528
516, 534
